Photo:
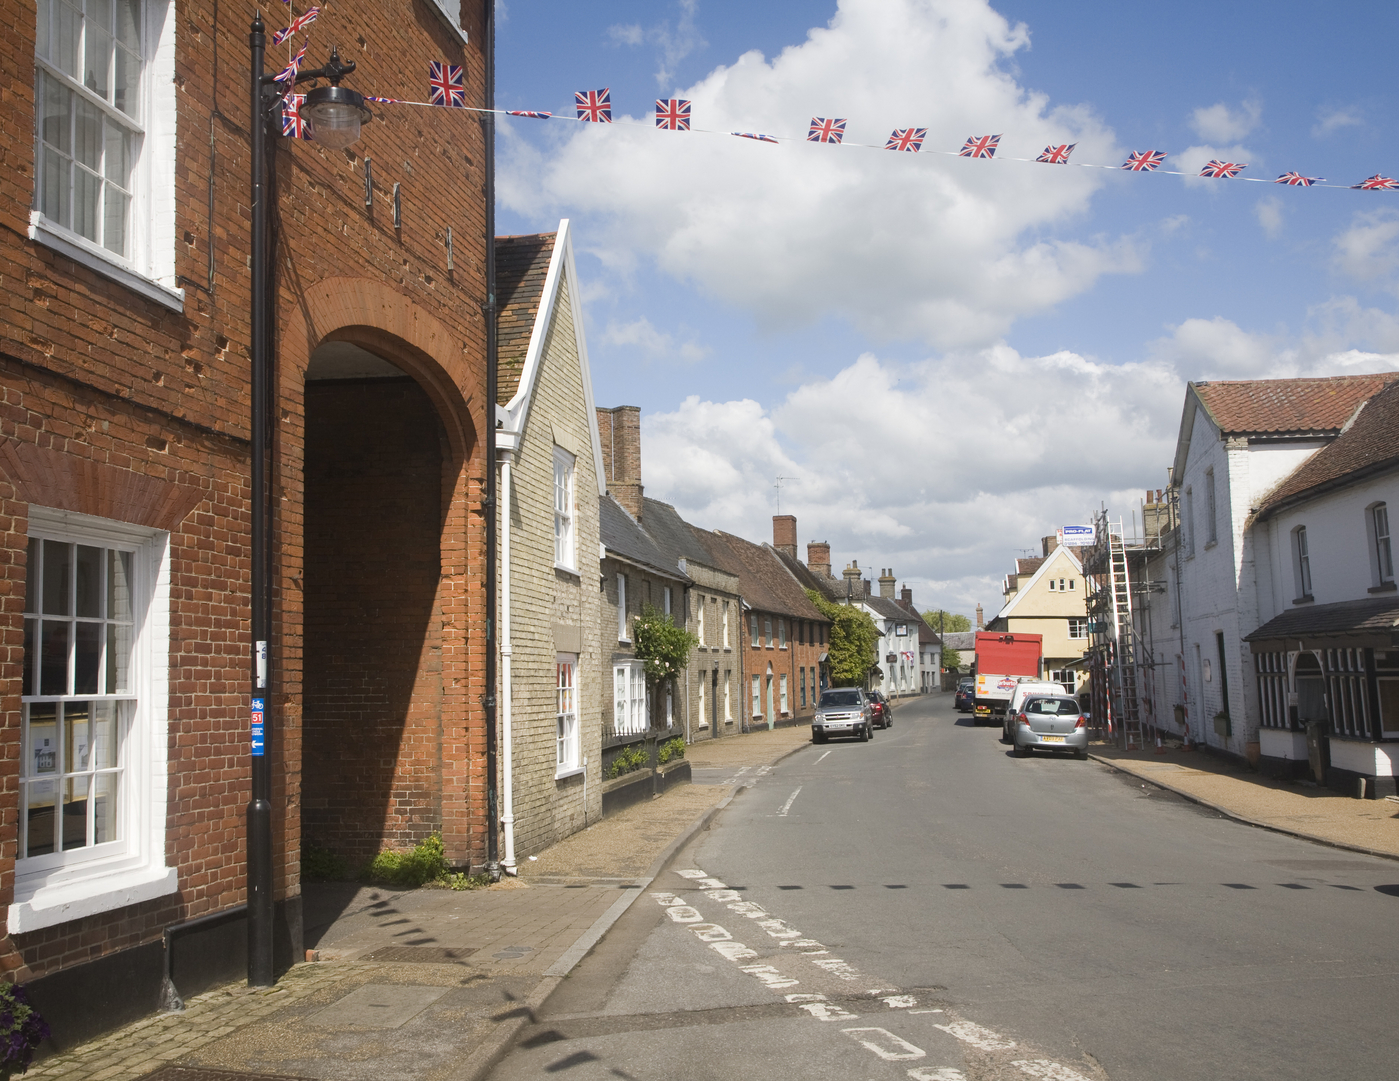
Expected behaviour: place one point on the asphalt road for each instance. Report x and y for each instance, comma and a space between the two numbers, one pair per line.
927, 907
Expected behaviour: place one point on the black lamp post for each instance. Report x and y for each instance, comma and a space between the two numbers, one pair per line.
336, 115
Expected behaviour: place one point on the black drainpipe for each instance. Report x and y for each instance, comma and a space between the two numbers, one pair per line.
488, 130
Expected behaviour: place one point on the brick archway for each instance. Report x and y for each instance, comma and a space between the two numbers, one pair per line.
436, 774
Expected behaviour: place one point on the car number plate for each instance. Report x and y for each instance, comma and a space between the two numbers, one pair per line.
1051, 739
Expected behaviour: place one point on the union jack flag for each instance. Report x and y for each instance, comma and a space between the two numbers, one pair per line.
980, 146
1057, 155
293, 125
754, 135
383, 101
528, 112
288, 74
1377, 183
1297, 180
1222, 170
594, 106
673, 114
909, 139
448, 87
825, 131
298, 24
1144, 161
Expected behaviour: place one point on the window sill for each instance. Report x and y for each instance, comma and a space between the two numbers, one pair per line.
1306, 598
567, 569
559, 775
85, 253
1383, 587
624, 641
1211, 544
48, 906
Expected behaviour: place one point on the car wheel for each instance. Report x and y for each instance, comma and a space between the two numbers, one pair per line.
865, 734
818, 737
1020, 752
1082, 755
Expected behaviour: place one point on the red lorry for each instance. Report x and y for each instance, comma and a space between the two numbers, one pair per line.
1002, 657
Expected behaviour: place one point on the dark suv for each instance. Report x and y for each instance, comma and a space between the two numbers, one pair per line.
965, 700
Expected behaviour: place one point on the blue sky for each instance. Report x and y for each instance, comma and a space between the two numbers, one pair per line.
949, 357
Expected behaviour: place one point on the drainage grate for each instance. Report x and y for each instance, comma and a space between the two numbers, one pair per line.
195, 1073
423, 955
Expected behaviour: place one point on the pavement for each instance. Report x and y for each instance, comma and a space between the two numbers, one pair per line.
1301, 809
428, 984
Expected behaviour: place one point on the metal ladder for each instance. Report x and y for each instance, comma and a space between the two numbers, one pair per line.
1124, 644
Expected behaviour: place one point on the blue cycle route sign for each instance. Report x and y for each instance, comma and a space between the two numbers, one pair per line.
258, 742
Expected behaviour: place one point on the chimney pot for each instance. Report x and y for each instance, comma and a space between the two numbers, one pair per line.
980, 619
887, 582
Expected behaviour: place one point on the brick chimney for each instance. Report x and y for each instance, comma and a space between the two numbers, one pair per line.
868, 585
980, 619
887, 582
784, 534
906, 597
620, 429
852, 577
818, 558
1048, 544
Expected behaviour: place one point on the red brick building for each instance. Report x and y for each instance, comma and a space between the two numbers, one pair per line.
124, 481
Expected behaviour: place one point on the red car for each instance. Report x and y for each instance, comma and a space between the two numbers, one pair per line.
882, 713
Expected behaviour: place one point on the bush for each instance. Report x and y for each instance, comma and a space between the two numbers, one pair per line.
322, 865
632, 758
671, 748
424, 862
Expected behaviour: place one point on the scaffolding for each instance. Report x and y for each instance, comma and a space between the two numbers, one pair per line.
1120, 661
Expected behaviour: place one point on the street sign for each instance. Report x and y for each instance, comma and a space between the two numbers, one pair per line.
1076, 534
258, 739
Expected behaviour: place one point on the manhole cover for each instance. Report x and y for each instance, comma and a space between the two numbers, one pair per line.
194, 1073
423, 955
512, 953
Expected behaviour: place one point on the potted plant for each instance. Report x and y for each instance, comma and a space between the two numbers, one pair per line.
21, 1030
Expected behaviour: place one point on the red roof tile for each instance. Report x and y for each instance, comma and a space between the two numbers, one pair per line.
1288, 405
521, 265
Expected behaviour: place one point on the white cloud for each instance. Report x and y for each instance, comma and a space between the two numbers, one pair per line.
673, 43
1367, 251
1269, 213
1333, 120
943, 468
653, 344
944, 249
1220, 124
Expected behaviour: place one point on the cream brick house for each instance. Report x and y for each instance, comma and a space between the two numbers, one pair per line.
1045, 596
550, 616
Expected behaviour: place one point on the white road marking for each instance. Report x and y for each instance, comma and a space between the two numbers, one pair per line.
1047, 1070
936, 1073
821, 759
710, 932
769, 975
693, 872
751, 909
684, 914
778, 929
711, 884
734, 951
723, 895
828, 1011
900, 1002
982, 1038
788, 805
666, 900
836, 967
804, 943
762, 772
885, 1044
924, 1011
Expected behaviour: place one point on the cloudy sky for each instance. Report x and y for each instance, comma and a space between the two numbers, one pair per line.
945, 358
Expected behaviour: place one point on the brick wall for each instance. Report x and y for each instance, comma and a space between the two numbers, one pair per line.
154, 403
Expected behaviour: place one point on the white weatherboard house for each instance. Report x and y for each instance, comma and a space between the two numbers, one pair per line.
1242, 443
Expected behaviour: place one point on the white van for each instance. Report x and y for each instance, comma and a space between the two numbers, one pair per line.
1026, 687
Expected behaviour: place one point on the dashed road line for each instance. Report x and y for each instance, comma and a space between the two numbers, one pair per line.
788, 805
885, 1044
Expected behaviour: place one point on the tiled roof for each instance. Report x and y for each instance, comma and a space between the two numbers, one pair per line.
672, 534
1028, 566
831, 588
764, 580
623, 536
1287, 405
1374, 615
1367, 446
521, 265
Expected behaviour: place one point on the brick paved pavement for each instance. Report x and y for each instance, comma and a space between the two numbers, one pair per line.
363, 1011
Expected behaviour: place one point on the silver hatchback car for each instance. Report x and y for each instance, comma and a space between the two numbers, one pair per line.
1049, 724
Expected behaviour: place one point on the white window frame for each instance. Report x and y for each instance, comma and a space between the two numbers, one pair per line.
781, 633
629, 715
565, 512
622, 635
699, 619
149, 266
63, 886
726, 625
669, 705
753, 629
782, 691
1071, 585
1211, 509
801, 687
757, 695
568, 750
703, 713
728, 697
667, 600
1302, 562
767, 630
1051, 585
1078, 624
1381, 543
450, 13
